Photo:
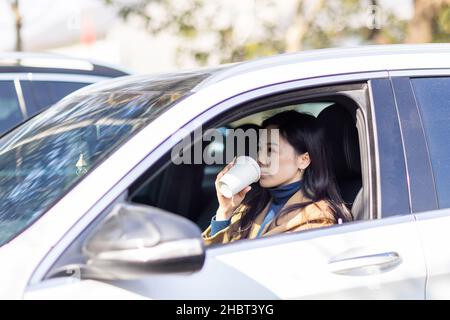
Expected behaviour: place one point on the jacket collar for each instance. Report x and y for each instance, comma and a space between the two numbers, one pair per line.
286, 220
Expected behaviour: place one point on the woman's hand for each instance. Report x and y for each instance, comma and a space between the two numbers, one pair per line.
228, 205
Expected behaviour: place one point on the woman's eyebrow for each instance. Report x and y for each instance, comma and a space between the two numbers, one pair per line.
269, 143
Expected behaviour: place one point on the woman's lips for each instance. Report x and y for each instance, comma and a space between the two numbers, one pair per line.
264, 173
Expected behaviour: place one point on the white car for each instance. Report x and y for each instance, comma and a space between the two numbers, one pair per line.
91, 205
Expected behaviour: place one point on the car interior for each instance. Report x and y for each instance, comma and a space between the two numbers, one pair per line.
188, 189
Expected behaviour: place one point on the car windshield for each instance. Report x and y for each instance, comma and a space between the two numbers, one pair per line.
46, 156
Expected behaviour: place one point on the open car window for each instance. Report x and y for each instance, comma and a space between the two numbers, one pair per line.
189, 189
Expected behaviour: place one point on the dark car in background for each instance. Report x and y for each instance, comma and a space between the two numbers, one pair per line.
29, 82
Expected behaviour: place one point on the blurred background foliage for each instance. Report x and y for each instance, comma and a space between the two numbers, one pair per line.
207, 33
156, 35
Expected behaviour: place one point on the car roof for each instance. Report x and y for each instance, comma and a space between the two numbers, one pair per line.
21, 62
300, 65
412, 57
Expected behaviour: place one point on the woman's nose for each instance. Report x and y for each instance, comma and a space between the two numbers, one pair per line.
262, 161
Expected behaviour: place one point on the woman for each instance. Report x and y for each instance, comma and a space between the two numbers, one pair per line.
296, 191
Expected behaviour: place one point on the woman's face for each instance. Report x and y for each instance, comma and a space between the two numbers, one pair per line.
279, 162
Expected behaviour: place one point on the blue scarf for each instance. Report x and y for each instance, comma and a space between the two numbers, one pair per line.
280, 195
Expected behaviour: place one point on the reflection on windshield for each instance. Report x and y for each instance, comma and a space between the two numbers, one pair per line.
42, 159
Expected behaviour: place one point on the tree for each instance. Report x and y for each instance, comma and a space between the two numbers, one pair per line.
431, 22
212, 37
18, 23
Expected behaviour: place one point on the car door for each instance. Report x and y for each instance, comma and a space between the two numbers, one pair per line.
374, 259
378, 259
430, 94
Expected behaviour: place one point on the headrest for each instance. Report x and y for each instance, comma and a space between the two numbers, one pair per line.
342, 139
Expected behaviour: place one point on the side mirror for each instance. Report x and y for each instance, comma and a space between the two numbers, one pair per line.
137, 240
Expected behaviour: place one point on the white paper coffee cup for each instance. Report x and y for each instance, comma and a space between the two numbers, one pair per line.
244, 172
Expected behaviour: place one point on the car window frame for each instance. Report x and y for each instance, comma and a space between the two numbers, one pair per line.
423, 193
117, 194
394, 197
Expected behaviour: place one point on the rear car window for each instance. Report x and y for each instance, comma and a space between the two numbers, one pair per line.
433, 97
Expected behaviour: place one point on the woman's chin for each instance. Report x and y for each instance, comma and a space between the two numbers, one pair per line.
266, 182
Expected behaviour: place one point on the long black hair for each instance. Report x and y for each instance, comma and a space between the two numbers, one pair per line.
305, 134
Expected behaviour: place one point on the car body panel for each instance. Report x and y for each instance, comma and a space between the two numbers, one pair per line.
306, 275
433, 227
69, 289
